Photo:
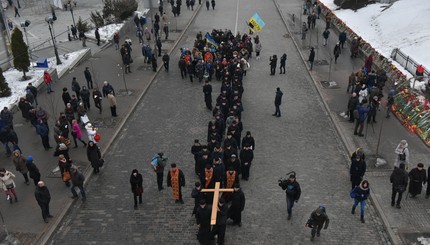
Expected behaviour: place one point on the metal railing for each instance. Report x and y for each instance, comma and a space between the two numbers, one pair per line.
406, 61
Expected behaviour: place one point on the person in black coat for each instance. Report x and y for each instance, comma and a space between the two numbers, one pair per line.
33, 170
293, 191
43, 197
182, 67
203, 218
352, 104
246, 157
66, 96
417, 177
97, 34
197, 195
195, 150
136, 181
357, 171
316, 221
207, 91
311, 58
283, 61
249, 140
88, 77
154, 62
221, 222
94, 156
273, 60
278, 102
237, 205
399, 178
78, 181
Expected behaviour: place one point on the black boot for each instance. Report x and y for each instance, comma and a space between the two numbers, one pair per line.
353, 210
362, 218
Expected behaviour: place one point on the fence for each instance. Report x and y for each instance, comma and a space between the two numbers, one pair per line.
406, 61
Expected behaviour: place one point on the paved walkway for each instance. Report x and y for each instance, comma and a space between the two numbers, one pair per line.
172, 114
304, 140
412, 217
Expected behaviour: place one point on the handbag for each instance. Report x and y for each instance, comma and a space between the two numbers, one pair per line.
97, 137
139, 190
400, 188
66, 176
352, 194
101, 162
10, 186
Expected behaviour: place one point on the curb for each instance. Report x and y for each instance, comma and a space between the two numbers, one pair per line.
349, 147
47, 234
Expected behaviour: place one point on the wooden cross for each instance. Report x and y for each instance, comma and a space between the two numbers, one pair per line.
216, 192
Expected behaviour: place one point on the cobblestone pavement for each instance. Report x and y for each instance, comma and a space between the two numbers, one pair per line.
172, 115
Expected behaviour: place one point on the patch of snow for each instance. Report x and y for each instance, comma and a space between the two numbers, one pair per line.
400, 26
106, 32
13, 77
140, 13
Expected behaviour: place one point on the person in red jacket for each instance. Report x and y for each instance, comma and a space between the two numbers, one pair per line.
420, 71
48, 81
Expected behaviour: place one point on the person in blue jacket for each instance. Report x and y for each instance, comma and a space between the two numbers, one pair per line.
360, 195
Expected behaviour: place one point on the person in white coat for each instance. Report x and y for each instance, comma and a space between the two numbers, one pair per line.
91, 131
362, 94
402, 154
8, 185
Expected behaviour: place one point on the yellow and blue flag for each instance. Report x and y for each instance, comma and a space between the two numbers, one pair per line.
256, 23
210, 40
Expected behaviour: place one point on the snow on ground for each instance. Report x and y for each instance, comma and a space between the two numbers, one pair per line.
17, 87
404, 25
106, 32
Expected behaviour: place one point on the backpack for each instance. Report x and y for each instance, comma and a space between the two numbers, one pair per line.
356, 113
155, 161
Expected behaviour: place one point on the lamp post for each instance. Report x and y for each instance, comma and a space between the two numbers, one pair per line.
24, 25
73, 16
49, 20
123, 78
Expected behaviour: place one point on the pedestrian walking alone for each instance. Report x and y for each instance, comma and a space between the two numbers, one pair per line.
293, 192
166, 59
417, 177
325, 34
77, 181
336, 52
88, 77
213, 4
360, 194
97, 35
317, 220
43, 198
283, 61
136, 182
399, 180
273, 60
207, 5
176, 180
48, 81
278, 102
17, 12
304, 30
94, 156
357, 170
402, 154
311, 58
97, 97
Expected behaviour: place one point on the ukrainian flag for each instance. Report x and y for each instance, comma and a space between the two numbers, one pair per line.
210, 40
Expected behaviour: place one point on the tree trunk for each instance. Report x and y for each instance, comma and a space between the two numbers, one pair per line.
25, 76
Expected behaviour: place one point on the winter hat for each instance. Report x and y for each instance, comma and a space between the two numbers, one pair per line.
62, 146
354, 94
237, 185
30, 158
233, 156
89, 126
420, 165
391, 91
105, 82
197, 184
402, 166
173, 165
404, 143
248, 132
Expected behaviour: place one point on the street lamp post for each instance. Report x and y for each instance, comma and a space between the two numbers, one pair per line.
24, 25
122, 67
49, 20
73, 16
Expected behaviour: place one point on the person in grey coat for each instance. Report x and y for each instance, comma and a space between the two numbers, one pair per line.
78, 181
